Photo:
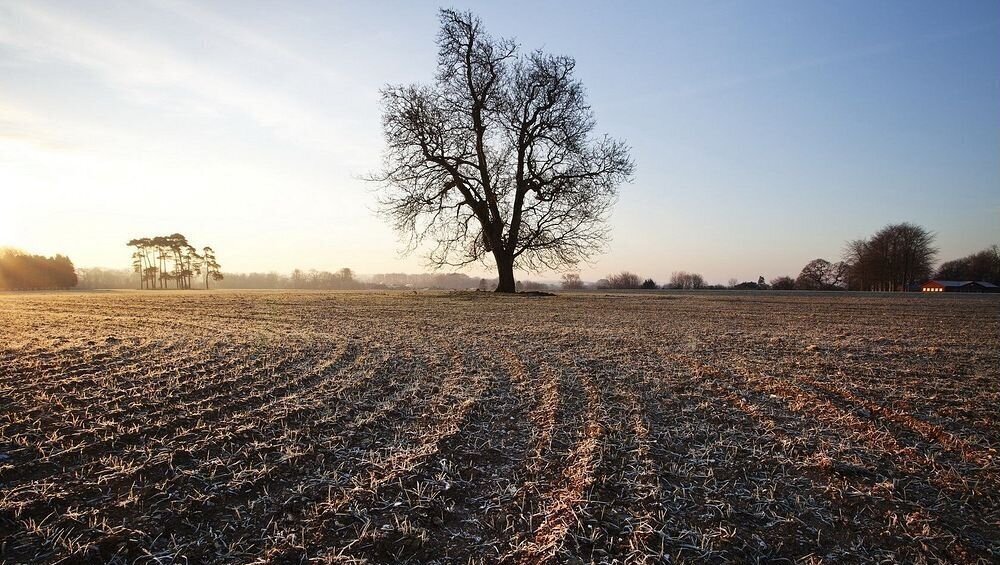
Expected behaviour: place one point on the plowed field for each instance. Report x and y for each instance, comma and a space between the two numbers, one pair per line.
337, 427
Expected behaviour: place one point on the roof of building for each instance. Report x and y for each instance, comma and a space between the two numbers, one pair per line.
962, 283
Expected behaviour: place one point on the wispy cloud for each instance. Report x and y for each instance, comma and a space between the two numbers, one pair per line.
251, 39
844, 56
150, 72
781, 71
21, 126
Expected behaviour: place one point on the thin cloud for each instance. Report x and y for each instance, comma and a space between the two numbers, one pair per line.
959, 32
21, 126
250, 38
151, 73
782, 71
845, 56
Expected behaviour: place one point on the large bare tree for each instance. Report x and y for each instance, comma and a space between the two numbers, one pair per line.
496, 159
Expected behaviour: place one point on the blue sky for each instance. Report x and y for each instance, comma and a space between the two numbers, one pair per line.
765, 133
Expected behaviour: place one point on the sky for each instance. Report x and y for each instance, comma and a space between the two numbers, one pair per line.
765, 134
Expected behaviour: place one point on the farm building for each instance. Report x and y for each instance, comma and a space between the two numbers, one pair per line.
959, 286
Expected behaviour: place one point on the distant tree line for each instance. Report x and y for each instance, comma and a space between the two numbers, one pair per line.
300, 279
898, 257
341, 280
626, 280
450, 281
23, 271
100, 278
981, 266
162, 260
346, 279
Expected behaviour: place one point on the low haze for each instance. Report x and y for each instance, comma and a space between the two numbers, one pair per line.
764, 134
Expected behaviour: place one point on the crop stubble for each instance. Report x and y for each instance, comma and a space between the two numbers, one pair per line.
338, 427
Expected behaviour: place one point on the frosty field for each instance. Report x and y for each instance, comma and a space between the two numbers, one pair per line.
455, 427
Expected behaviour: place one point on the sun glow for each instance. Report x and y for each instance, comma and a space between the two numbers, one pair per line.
10, 202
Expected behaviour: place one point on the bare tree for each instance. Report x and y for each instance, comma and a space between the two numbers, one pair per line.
496, 158
895, 258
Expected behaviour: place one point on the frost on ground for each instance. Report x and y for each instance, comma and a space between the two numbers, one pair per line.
340, 427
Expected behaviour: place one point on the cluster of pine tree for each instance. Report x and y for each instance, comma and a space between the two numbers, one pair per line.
160, 260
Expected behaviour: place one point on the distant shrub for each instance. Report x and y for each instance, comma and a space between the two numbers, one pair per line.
649, 284
783, 283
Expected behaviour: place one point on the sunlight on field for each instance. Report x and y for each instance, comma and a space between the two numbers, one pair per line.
210, 427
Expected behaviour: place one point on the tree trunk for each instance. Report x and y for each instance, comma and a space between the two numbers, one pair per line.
505, 270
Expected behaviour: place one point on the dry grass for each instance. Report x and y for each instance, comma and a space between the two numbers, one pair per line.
338, 427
